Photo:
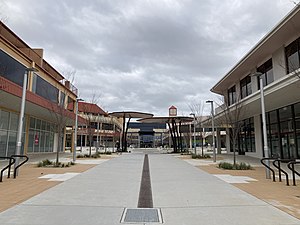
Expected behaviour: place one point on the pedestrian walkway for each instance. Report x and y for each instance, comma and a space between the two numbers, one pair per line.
182, 193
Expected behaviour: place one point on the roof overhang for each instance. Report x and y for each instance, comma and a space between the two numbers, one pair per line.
167, 119
280, 34
280, 93
131, 114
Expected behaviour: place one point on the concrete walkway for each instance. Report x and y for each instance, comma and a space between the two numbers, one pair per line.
183, 193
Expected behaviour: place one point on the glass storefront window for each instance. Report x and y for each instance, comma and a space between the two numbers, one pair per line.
285, 113
4, 120
40, 137
14, 121
12, 139
284, 131
32, 123
38, 124
3, 142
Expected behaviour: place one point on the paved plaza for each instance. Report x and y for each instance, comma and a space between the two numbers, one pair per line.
182, 195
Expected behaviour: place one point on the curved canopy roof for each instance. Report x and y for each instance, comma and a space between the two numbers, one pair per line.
166, 119
131, 114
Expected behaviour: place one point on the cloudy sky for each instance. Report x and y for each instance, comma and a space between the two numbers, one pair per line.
144, 55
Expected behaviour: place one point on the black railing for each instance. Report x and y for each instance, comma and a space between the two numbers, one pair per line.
278, 166
291, 166
268, 167
22, 163
11, 162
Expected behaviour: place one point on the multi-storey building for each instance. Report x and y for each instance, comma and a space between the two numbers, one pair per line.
99, 130
147, 135
47, 97
277, 57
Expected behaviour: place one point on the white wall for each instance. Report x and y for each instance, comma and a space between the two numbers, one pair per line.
279, 66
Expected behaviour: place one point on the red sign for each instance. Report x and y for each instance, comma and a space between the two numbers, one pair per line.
172, 111
36, 139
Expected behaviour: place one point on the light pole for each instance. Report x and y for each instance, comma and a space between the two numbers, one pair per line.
76, 127
263, 115
194, 121
21, 116
213, 129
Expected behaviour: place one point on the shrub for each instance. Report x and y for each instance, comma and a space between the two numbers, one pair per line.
237, 166
45, 163
196, 156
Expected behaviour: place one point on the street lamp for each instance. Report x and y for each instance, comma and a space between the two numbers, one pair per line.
76, 127
213, 129
21, 116
263, 115
193, 114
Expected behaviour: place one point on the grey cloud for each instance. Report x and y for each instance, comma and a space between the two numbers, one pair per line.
144, 55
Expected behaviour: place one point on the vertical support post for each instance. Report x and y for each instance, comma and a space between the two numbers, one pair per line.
21, 117
75, 132
263, 112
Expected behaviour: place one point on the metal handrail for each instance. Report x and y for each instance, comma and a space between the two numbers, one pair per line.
11, 162
262, 162
281, 170
22, 163
291, 166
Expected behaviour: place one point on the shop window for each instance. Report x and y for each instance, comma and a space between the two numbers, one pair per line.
245, 85
11, 69
267, 73
292, 54
44, 89
231, 95
3, 142
4, 120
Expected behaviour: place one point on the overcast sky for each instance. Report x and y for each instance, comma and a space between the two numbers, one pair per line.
144, 55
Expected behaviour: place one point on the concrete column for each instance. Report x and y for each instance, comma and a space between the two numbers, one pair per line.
258, 138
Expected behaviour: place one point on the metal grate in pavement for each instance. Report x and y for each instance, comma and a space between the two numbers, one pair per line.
141, 215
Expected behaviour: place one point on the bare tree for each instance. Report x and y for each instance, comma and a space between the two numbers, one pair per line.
231, 118
61, 110
197, 108
91, 118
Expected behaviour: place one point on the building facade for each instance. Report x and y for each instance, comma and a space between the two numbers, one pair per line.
277, 58
99, 130
47, 98
147, 135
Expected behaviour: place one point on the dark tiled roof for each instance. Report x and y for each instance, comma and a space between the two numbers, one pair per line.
90, 108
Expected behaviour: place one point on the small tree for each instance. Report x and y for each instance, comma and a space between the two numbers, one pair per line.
197, 108
90, 119
61, 112
231, 117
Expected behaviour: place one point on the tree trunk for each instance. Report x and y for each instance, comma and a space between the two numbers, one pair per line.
234, 152
202, 145
58, 145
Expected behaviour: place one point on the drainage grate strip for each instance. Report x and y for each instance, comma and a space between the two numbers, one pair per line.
145, 195
140, 215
